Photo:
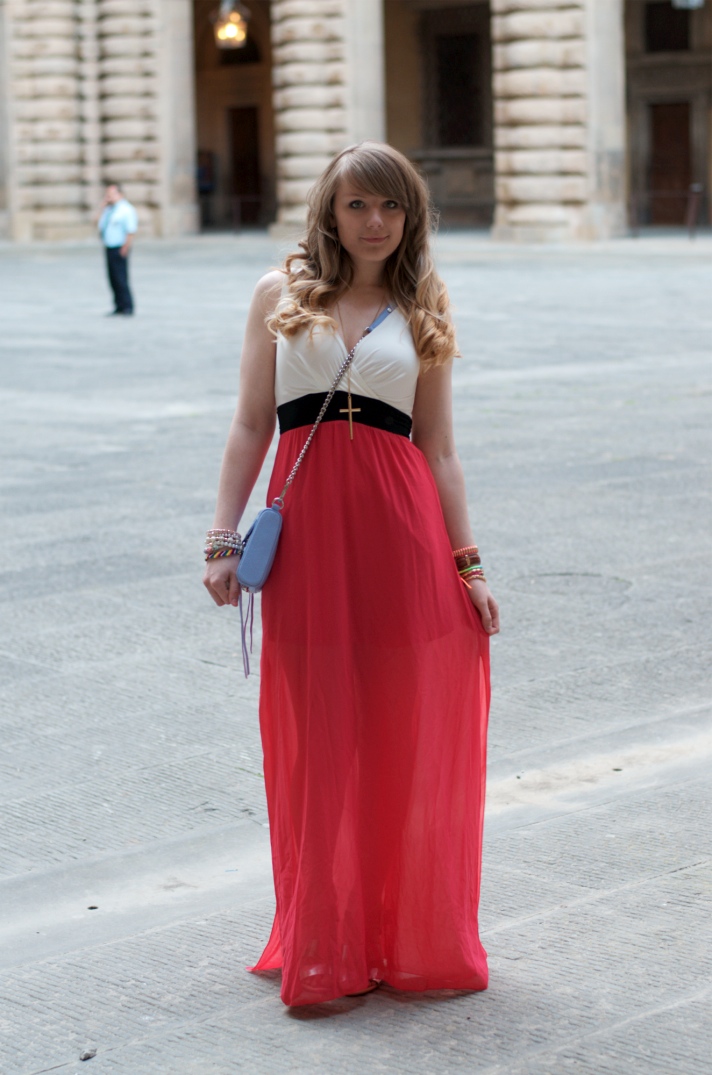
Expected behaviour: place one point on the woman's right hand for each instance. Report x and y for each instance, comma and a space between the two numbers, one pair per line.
220, 580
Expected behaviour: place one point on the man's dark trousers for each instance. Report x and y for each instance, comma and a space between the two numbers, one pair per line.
118, 269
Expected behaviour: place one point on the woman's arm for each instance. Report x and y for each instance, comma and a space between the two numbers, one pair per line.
250, 432
433, 434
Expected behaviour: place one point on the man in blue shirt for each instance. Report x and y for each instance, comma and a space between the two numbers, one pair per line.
117, 226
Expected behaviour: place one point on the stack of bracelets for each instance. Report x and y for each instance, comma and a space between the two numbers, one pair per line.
220, 543
469, 565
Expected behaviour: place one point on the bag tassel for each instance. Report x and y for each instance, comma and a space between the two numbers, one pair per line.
246, 620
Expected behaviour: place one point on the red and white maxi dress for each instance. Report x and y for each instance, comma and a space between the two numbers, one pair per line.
374, 692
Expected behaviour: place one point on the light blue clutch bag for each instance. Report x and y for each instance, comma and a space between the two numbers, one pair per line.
260, 546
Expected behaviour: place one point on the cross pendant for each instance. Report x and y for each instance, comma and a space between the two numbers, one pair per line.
351, 411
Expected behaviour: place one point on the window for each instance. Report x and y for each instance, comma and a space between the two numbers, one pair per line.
459, 106
667, 29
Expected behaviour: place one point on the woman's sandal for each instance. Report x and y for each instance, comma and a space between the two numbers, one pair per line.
373, 985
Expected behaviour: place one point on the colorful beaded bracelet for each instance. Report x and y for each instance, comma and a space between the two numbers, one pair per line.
217, 554
475, 576
222, 543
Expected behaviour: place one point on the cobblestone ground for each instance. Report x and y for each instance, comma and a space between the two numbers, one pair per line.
135, 875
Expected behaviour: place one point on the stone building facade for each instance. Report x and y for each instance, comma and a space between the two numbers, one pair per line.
90, 90
544, 119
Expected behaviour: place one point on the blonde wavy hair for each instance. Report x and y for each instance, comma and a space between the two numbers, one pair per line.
322, 270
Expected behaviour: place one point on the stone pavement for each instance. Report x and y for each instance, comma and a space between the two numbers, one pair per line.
135, 876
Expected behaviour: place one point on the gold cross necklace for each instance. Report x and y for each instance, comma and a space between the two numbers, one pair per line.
350, 410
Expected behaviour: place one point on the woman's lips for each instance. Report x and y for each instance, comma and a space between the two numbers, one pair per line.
375, 239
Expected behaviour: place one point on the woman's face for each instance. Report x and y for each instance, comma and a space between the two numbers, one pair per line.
370, 227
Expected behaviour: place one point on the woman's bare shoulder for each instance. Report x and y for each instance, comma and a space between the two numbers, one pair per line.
272, 279
269, 287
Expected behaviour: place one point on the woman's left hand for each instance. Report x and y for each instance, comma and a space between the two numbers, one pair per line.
486, 605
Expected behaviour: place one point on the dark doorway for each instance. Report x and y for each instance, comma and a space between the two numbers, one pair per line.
670, 173
245, 166
667, 29
456, 152
459, 104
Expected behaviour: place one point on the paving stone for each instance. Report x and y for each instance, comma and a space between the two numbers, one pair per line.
131, 772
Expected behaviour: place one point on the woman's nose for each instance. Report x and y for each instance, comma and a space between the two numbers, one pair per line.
374, 221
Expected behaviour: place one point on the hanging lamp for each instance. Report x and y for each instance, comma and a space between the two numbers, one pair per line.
230, 25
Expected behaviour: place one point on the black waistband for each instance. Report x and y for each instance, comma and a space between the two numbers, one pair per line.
370, 412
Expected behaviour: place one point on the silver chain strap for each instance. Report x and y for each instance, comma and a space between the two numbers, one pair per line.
278, 501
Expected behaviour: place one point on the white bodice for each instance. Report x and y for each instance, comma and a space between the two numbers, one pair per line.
385, 365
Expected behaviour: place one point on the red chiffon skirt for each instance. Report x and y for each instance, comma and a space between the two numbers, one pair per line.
373, 713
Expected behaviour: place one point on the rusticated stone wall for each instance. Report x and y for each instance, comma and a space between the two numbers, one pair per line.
310, 95
129, 105
46, 195
559, 118
90, 96
328, 89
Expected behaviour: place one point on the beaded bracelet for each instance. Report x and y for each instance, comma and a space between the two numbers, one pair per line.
476, 574
468, 550
469, 565
218, 543
222, 543
218, 553
222, 535
467, 557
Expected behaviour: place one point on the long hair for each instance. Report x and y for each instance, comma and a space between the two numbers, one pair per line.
322, 270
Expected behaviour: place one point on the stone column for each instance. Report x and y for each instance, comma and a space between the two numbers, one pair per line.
559, 112
95, 90
129, 103
90, 128
328, 90
46, 195
5, 143
606, 142
179, 201
366, 66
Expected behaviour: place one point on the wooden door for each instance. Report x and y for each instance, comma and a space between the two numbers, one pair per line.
670, 171
246, 196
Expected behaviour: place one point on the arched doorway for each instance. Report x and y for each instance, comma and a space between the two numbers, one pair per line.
234, 119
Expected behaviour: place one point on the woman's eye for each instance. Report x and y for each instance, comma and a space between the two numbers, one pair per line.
390, 204
356, 205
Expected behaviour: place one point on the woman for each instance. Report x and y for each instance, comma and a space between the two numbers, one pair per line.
374, 669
